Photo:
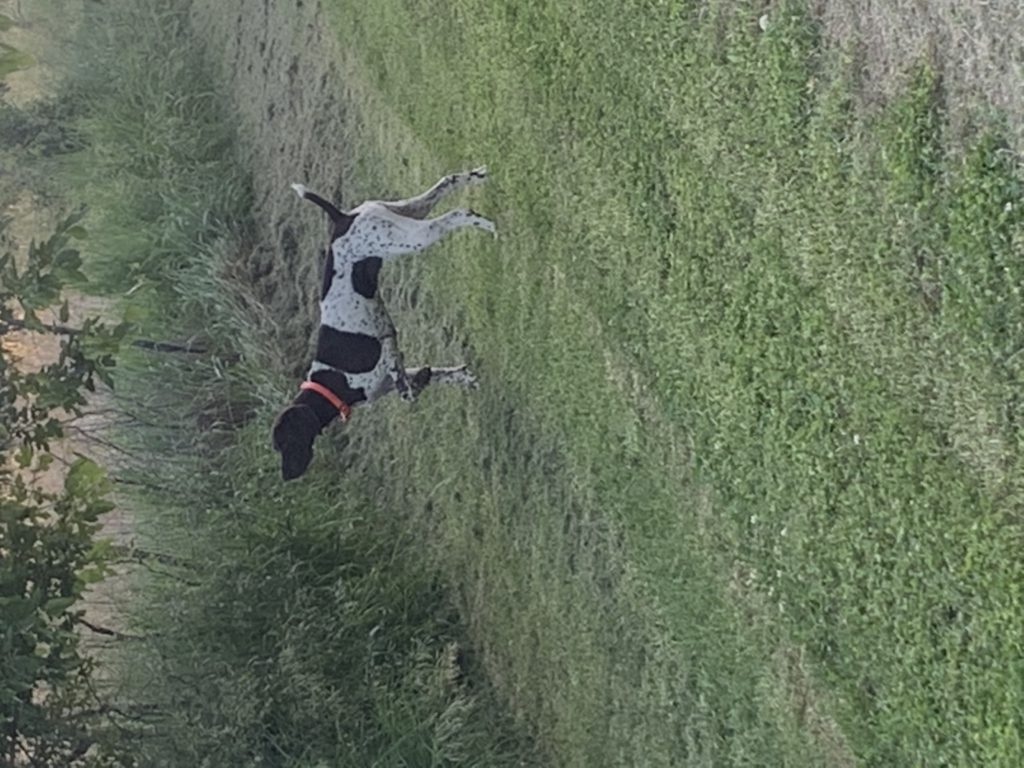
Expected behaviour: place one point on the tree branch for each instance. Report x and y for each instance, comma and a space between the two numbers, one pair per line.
108, 632
135, 554
169, 346
105, 710
66, 330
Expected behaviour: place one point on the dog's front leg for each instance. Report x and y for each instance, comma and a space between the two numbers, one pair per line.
398, 378
419, 378
459, 376
405, 388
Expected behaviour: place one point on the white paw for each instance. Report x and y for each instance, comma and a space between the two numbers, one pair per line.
300, 190
474, 219
477, 175
407, 393
465, 377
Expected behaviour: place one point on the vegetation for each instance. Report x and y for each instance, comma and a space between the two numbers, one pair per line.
284, 625
11, 59
742, 481
50, 710
765, 339
50, 713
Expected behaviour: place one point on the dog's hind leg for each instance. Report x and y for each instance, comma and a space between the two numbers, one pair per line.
385, 234
419, 206
399, 377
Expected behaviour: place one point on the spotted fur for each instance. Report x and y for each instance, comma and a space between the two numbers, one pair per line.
357, 354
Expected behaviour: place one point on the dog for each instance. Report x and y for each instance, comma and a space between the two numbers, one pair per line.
357, 359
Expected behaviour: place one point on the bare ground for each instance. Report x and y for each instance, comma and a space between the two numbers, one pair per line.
104, 603
977, 47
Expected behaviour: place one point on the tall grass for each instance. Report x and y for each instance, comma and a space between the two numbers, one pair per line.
294, 625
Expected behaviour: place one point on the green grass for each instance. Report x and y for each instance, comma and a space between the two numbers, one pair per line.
764, 342
288, 626
741, 485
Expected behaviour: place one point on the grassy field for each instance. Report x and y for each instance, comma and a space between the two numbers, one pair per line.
762, 345
742, 483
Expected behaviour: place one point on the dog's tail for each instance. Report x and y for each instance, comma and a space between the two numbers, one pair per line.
337, 217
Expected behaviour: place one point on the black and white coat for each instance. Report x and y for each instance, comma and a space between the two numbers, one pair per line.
357, 354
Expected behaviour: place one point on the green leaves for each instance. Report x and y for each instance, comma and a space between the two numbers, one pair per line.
87, 353
51, 265
47, 553
86, 479
67, 266
23, 457
13, 60
58, 605
14, 610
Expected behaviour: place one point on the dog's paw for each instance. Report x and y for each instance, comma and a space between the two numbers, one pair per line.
478, 221
300, 190
477, 175
463, 377
407, 393
402, 385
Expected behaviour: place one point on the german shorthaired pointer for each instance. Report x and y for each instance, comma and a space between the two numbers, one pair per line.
357, 355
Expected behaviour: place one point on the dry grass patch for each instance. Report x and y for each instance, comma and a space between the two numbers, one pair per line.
978, 48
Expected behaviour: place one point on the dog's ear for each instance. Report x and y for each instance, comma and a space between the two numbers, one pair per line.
293, 434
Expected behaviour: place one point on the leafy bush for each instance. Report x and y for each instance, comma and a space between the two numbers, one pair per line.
48, 710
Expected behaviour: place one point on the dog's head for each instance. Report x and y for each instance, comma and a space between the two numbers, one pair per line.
294, 431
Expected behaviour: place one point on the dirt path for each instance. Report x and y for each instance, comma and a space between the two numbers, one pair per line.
977, 47
89, 435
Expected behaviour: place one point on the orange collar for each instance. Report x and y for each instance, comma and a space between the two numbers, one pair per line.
343, 408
